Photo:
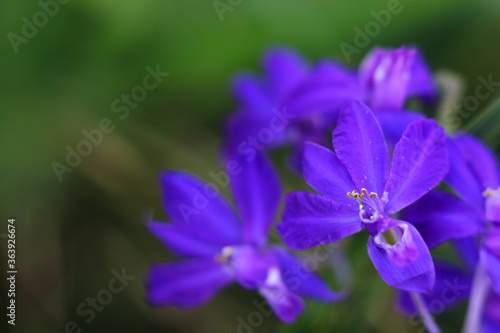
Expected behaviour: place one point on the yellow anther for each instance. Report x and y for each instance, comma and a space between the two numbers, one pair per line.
225, 254
361, 206
221, 259
361, 195
372, 217
488, 193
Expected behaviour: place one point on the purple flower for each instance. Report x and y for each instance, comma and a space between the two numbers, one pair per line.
294, 104
362, 192
390, 76
290, 105
475, 177
219, 246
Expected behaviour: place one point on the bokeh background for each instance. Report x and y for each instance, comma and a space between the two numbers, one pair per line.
72, 233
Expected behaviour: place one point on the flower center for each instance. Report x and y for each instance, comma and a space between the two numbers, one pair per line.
492, 204
307, 128
491, 192
225, 255
370, 206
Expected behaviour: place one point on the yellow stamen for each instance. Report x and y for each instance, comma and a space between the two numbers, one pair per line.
488, 193
221, 259
225, 255
373, 195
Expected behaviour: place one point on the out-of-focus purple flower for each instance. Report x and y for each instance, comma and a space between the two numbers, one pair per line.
475, 177
480, 171
390, 76
220, 247
293, 103
360, 191
440, 216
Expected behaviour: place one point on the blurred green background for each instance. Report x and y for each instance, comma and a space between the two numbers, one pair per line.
72, 234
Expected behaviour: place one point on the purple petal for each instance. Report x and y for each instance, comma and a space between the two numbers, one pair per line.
186, 284
391, 76
302, 281
360, 146
419, 163
491, 319
183, 241
251, 265
326, 174
461, 178
285, 303
331, 73
295, 158
251, 95
440, 216
468, 250
493, 207
492, 239
310, 128
248, 133
394, 123
327, 89
404, 251
311, 220
407, 265
452, 287
421, 82
481, 159
490, 256
285, 69
257, 193
323, 100
313, 127
196, 205
386, 75
260, 269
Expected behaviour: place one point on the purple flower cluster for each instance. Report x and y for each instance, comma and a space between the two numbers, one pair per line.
374, 166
